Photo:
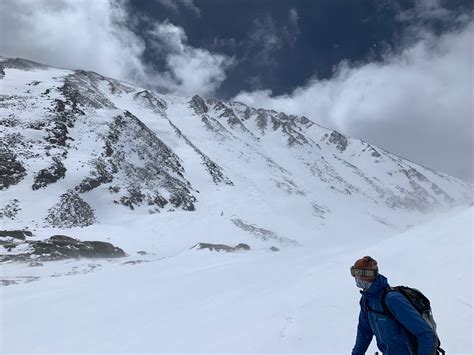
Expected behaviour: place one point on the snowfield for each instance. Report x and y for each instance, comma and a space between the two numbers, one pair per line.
301, 299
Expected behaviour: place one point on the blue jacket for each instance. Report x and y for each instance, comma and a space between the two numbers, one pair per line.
391, 337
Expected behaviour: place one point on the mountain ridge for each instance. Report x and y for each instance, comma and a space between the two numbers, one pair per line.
112, 145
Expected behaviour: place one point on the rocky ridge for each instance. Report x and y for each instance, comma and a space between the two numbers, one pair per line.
76, 137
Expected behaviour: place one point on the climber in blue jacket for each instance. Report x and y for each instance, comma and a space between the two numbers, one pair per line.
399, 336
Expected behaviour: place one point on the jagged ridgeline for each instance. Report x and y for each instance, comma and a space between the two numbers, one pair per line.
85, 147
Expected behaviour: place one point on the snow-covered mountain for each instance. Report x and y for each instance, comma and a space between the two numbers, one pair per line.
159, 176
78, 148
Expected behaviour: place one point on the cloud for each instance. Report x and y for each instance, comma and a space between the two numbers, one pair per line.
265, 38
71, 34
190, 70
175, 4
416, 103
293, 17
98, 35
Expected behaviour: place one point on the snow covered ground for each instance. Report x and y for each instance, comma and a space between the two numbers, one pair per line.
300, 299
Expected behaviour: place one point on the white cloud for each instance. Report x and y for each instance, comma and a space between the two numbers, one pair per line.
192, 70
417, 103
71, 33
94, 35
175, 4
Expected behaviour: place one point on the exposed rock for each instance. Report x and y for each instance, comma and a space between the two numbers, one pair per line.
199, 105
8, 245
221, 247
339, 140
17, 234
274, 249
12, 171
156, 172
135, 262
151, 101
49, 175
64, 247
10, 210
35, 264
70, 211
60, 247
82, 88
141, 252
102, 174
242, 246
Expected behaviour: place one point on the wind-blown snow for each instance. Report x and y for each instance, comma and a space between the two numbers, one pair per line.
298, 300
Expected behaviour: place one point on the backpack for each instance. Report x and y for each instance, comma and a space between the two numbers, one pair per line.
421, 303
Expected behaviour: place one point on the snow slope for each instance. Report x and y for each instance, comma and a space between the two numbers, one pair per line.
298, 300
76, 135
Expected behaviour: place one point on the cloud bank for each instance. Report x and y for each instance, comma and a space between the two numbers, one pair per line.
97, 35
417, 103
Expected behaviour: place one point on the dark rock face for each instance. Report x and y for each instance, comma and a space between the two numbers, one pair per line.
159, 169
12, 171
221, 247
198, 104
151, 101
82, 88
60, 247
339, 140
70, 211
49, 175
242, 246
102, 174
11, 209
17, 234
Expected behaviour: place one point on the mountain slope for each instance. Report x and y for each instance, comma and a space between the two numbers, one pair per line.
298, 300
110, 146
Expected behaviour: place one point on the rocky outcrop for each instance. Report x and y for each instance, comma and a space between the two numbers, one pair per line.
148, 167
12, 170
16, 234
151, 101
70, 211
49, 175
338, 140
60, 247
221, 247
199, 105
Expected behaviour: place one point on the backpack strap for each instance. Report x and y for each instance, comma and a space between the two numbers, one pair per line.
383, 302
386, 311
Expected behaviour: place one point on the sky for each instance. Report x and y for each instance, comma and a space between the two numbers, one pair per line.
398, 74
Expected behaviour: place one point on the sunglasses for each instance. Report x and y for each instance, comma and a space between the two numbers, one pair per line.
362, 272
